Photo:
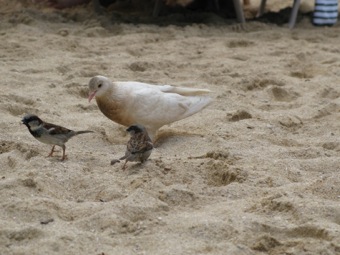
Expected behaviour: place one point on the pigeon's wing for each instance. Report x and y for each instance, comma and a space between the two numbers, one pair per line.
150, 106
183, 91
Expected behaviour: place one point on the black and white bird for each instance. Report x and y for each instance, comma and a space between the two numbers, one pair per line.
50, 133
139, 147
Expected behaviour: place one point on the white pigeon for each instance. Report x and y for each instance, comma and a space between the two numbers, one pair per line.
152, 106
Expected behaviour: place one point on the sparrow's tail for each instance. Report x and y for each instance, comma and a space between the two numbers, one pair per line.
83, 132
184, 91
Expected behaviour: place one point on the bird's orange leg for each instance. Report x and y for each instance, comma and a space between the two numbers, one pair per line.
51, 153
124, 166
64, 155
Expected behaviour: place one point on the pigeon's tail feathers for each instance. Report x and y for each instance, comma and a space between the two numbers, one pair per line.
184, 91
197, 104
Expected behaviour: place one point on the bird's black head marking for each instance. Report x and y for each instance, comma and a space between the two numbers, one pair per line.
136, 128
29, 118
32, 122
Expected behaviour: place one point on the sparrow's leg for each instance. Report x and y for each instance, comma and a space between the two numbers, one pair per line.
124, 166
64, 155
51, 153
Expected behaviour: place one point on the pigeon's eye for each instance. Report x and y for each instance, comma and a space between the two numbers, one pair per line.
99, 86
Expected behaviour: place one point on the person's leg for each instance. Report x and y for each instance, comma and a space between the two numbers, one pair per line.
325, 12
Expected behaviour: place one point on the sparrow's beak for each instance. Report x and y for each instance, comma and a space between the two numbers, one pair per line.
92, 95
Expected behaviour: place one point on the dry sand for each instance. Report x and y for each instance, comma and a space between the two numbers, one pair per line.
256, 172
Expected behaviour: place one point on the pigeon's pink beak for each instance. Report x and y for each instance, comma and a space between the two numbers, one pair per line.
91, 95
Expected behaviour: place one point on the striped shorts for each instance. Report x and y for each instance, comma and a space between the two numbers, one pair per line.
325, 12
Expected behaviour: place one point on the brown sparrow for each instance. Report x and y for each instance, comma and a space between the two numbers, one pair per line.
49, 133
139, 147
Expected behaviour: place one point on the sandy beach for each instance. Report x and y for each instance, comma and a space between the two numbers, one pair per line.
256, 172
